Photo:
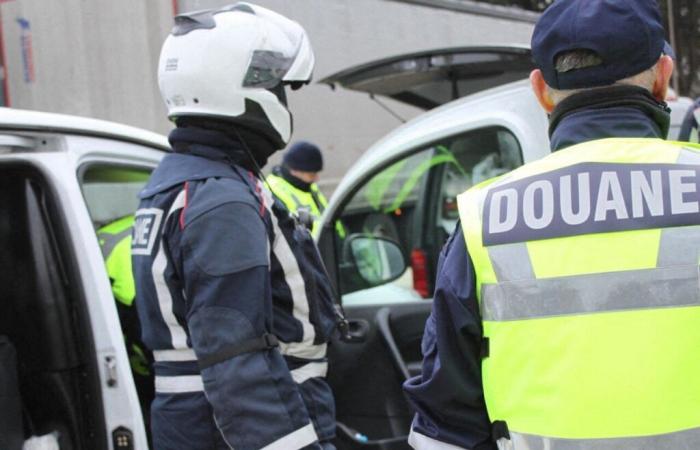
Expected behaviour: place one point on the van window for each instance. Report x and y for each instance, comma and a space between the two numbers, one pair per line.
479, 156
413, 201
111, 191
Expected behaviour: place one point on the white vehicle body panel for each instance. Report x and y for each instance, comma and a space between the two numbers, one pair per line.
59, 161
15, 119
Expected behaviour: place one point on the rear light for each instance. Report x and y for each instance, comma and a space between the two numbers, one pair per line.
419, 264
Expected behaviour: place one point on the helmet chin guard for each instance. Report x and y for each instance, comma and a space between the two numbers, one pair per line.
232, 64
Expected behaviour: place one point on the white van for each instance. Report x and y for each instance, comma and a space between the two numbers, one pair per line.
404, 188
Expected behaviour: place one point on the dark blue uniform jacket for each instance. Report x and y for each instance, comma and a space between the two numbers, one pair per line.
218, 264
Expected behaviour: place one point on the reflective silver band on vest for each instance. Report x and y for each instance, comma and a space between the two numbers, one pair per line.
688, 156
584, 294
109, 241
296, 200
678, 246
680, 440
511, 262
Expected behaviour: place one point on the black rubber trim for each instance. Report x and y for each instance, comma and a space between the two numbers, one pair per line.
499, 430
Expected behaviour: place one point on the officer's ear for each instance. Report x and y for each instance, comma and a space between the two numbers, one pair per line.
539, 86
664, 71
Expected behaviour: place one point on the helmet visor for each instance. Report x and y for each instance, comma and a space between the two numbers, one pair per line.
267, 69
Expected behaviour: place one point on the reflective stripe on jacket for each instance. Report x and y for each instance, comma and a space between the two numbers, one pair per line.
587, 276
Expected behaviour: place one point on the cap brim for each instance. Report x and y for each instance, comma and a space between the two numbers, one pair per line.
668, 50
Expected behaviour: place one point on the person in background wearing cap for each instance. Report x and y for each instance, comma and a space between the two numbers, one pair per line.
294, 183
567, 305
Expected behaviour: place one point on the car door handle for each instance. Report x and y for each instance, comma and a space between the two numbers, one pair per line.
358, 329
385, 328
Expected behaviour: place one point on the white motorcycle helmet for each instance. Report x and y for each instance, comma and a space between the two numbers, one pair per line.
233, 63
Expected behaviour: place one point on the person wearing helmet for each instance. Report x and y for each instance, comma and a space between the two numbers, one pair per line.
231, 293
294, 183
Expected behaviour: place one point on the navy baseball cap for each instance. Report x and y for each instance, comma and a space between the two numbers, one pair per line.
304, 156
627, 35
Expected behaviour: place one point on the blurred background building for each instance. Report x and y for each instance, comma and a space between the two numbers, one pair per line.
98, 58
682, 25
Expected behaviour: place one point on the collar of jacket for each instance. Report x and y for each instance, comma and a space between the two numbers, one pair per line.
211, 144
616, 111
283, 171
176, 168
199, 154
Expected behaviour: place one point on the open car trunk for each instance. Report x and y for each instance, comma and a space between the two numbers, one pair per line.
432, 78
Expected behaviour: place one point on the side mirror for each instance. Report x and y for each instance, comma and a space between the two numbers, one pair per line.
377, 260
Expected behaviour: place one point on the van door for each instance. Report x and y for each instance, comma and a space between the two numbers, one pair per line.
110, 190
43, 312
411, 201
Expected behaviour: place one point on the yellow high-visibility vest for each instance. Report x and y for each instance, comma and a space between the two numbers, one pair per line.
115, 242
295, 199
587, 266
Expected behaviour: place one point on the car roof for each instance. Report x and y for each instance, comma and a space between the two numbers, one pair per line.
18, 119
